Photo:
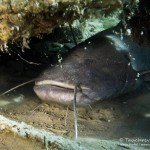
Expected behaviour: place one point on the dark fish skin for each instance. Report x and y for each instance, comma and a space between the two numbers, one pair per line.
137, 53
94, 64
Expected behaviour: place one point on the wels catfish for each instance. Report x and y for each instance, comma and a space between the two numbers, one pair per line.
96, 66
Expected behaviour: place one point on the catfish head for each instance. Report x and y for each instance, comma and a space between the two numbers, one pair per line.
99, 71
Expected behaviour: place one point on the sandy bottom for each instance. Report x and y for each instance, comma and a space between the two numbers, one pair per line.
124, 117
9, 141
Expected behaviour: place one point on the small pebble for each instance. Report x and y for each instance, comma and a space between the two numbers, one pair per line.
2, 127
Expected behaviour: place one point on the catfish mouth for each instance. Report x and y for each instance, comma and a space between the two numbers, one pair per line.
59, 84
59, 92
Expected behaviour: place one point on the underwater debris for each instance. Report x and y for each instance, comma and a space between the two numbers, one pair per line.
20, 20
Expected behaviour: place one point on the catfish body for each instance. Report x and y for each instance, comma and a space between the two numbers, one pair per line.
95, 66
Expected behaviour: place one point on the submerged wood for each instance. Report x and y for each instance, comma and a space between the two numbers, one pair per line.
48, 138
52, 141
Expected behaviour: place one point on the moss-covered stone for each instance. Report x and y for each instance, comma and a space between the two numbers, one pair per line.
22, 19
